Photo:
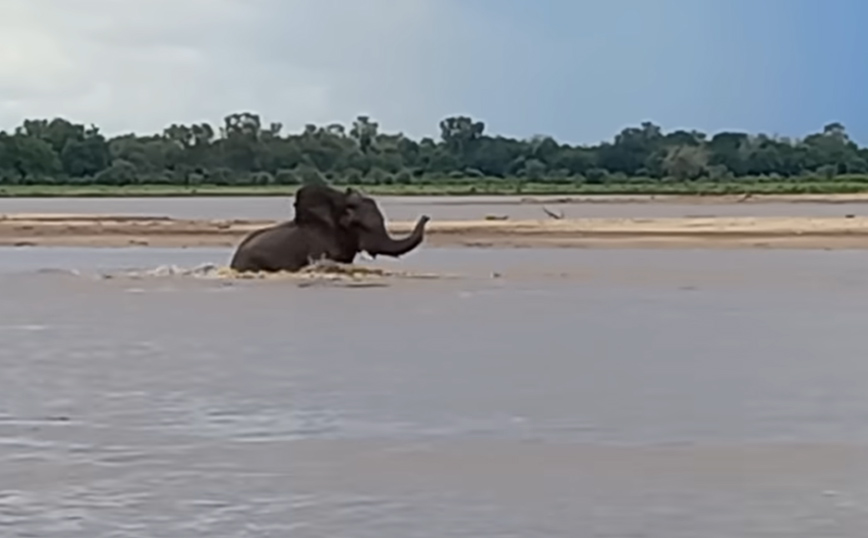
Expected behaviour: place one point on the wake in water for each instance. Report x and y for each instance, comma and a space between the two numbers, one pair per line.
322, 271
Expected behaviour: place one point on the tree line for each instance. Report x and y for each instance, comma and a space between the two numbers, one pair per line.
244, 151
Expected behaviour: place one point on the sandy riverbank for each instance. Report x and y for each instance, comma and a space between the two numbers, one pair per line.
711, 232
669, 199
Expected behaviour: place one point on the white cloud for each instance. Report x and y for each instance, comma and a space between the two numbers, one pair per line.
141, 65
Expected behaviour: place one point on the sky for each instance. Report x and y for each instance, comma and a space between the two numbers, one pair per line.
578, 70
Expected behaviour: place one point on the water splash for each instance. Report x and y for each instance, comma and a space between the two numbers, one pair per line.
322, 271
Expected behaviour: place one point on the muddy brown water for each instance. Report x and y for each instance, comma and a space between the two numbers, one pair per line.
409, 208
629, 393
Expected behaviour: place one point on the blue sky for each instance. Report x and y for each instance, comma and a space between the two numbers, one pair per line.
580, 70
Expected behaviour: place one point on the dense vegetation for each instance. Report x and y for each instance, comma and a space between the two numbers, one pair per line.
244, 152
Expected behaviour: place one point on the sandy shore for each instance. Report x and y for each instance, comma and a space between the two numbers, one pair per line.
668, 199
711, 232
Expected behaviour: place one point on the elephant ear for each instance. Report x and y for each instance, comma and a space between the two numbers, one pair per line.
316, 206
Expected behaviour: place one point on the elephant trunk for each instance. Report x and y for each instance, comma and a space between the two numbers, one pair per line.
383, 244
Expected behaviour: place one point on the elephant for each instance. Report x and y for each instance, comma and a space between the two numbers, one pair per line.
328, 224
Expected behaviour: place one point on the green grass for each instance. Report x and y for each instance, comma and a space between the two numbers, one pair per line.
492, 188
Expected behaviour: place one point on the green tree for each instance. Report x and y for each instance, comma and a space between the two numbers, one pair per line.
245, 150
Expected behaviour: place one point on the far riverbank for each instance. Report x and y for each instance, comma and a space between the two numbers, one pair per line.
688, 192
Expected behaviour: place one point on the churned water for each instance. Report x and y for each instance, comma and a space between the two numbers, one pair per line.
533, 393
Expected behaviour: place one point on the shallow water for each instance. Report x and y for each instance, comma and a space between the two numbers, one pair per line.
410, 208
579, 393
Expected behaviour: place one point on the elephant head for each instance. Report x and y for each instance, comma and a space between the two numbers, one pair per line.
364, 217
320, 205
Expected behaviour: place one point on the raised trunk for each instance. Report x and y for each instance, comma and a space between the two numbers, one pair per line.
383, 244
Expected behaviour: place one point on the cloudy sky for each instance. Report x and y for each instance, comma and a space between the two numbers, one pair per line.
577, 69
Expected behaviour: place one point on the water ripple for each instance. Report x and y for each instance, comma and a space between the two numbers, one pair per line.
614, 404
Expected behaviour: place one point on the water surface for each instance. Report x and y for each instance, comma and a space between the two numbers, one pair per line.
411, 207
581, 393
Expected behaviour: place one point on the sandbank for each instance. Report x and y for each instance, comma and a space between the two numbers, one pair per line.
667, 199
699, 232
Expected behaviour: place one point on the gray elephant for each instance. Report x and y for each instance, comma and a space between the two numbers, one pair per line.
328, 224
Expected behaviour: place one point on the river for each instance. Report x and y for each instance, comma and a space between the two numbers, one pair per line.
409, 208
611, 393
